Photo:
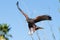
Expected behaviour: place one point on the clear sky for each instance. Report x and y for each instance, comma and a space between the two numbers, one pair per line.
10, 14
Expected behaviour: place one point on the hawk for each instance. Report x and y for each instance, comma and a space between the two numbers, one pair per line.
31, 22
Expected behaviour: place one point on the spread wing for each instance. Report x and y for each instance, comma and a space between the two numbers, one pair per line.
42, 18
21, 10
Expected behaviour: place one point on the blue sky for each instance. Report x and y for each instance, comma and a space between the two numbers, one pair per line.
10, 14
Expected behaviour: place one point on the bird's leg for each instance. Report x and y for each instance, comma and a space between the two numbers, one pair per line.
34, 28
31, 30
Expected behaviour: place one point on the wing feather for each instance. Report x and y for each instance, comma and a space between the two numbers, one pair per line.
42, 18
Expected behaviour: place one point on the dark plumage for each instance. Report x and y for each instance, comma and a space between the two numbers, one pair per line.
42, 18
31, 22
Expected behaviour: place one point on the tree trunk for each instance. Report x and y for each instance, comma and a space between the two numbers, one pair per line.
2, 38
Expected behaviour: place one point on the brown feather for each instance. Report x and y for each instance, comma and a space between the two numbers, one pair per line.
26, 16
41, 18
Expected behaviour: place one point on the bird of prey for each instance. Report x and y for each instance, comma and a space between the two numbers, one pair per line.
31, 22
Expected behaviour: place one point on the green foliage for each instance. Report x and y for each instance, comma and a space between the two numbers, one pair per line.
59, 1
4, 29
59, 10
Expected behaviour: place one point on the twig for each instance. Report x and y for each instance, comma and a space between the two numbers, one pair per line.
52, 31
38, 35
31, 36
